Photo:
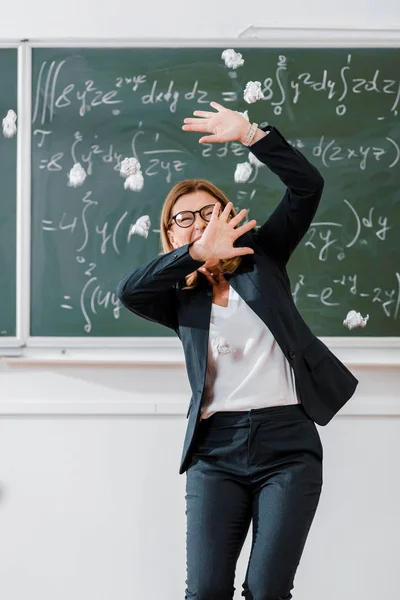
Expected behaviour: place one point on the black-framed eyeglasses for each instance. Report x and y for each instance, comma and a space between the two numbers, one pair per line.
186, 218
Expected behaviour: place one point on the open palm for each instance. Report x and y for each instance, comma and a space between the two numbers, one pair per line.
217, 241
225, 125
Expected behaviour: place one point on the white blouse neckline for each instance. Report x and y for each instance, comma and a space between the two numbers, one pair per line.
226, 311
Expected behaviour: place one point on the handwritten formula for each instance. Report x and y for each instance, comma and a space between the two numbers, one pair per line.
95, 107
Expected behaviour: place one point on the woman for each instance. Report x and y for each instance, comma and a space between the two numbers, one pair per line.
259, 376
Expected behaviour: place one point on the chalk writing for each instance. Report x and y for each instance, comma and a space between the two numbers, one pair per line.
342, 114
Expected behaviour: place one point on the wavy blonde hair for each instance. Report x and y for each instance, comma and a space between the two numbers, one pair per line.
189, 186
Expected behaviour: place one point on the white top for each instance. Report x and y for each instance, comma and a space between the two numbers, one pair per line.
246, 368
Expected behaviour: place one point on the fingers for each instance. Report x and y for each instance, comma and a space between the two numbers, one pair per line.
246, 227
226, 212
203, 113
190, 120
196, 126
239, 217
209, 139
203, 126
217, 106
224, 216
208, 114
209, 276
242, 251
215, 212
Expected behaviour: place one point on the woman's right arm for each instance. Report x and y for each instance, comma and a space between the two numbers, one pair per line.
150, 290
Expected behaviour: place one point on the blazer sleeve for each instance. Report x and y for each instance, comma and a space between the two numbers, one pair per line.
149, 291
290, 220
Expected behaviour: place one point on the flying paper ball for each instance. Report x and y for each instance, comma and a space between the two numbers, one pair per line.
9, 124
232, 59
77, 175
253, 160
135, 182
129, 166
252, 92
220, 347
131, 170
141, 227
243, 172
354, 319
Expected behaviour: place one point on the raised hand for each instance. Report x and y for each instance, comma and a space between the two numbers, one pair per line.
220, 234
225, 125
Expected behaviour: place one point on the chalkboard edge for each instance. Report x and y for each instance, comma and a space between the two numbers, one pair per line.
353, 351
250, 36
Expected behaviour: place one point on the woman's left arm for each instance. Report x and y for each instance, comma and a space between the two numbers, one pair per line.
290, 220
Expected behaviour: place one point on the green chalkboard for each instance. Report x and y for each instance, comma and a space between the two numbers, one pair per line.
97, 106
8, 202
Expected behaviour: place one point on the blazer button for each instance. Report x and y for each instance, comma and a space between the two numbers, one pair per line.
292, 354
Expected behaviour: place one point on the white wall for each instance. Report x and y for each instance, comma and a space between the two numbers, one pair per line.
183, 19
91, 503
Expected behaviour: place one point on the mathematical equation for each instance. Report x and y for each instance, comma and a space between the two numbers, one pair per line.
320, 236
319, 239
388, 299
168, 162
169, 158
152, 162
387, 153
92, 298
279, 89
107, 234
276, 91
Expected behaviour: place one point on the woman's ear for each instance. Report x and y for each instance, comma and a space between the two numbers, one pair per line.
172, 239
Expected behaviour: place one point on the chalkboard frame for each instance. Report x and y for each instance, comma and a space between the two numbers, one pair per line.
353, 350
9, 344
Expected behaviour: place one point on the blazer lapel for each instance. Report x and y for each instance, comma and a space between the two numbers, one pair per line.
244, 283
194, 324
195, 312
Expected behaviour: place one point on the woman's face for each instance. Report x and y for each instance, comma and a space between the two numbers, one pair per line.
180, 236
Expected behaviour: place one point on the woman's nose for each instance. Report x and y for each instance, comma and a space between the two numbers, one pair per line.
199, 223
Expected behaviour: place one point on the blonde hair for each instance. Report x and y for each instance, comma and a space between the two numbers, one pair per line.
189, 186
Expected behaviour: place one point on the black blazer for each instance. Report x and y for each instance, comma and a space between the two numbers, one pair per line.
154, 291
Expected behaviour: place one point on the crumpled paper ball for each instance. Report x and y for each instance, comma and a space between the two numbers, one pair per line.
134, 182
253, 160
129, 166
252, 92
77, 175
220, 347
354, 319
243, 172
10, 124
131, 170
141, 227
232, 59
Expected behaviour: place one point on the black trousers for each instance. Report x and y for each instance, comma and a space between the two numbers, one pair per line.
264, 466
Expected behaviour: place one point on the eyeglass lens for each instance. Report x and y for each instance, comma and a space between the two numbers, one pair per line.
186, 217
